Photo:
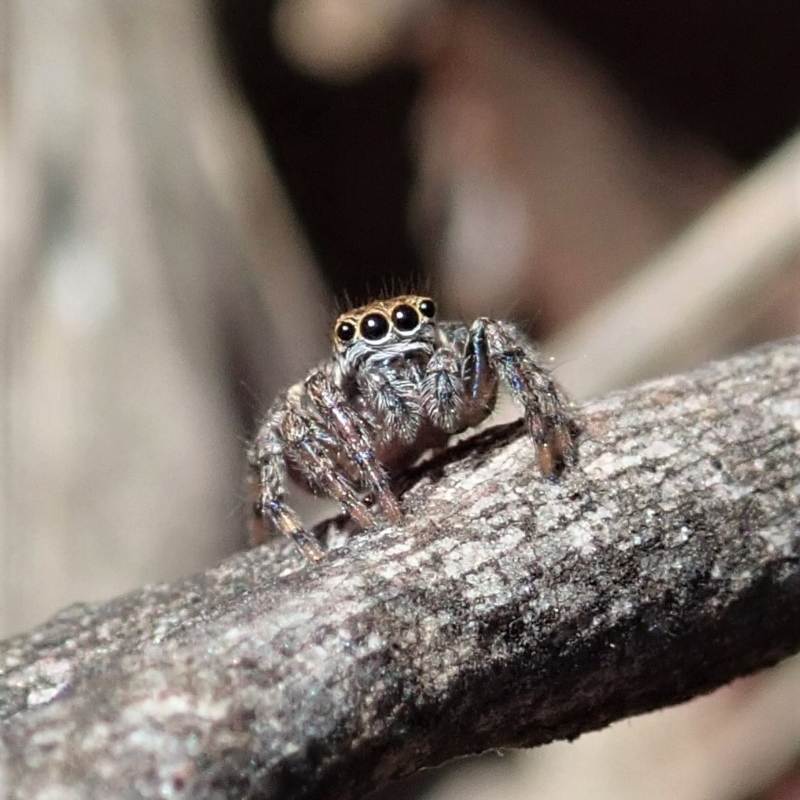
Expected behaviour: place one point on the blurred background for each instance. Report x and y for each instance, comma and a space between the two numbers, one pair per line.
191, 190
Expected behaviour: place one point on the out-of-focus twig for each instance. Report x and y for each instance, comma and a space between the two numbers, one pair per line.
696, 291
148, 255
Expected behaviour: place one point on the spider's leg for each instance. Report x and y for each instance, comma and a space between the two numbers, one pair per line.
288, 523
267, 470
480, 376
313, 455
358, 445
507, 351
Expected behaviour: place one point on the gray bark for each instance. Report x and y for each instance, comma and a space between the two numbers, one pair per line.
504, 612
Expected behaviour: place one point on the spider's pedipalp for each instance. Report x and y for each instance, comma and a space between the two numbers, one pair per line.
443, 391
394, 404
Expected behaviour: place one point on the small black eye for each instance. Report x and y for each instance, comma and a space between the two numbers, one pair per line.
428, 309
374, 327
405, 318
345, 331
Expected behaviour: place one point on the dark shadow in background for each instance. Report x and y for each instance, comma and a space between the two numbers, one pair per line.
341, 150
723, 72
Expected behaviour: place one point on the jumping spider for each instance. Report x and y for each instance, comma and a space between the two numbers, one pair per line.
397, 384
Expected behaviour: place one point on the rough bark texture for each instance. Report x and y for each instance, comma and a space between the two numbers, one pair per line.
505, 612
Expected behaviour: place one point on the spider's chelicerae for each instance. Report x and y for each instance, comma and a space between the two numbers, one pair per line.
398, 383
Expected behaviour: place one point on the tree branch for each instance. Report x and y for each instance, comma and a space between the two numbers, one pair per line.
504, 612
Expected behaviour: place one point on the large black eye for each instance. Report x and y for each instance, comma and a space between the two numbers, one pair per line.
427, 308
345, 331
405, 318
374, 327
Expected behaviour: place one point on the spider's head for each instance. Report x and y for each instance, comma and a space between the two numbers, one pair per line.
388, 328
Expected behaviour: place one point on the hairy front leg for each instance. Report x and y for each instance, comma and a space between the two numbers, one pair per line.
501, 348
356, 441
480, 376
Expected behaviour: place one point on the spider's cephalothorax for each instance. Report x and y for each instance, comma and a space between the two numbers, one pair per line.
397, 383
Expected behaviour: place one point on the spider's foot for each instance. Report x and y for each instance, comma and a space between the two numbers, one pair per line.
390, 506
361, 514
308, 546
286, 521
385, 501
555, 448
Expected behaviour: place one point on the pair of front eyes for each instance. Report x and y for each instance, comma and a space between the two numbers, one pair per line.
376, 325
